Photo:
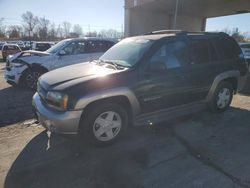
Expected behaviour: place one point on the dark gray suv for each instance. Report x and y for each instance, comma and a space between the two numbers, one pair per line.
141, 80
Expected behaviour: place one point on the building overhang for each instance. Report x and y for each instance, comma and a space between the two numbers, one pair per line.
199, 8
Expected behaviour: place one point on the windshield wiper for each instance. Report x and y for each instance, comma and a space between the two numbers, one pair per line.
116, 65
110, 63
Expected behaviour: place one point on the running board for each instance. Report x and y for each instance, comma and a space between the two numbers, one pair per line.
169, 113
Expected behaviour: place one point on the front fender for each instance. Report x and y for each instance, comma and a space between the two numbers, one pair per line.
121, 91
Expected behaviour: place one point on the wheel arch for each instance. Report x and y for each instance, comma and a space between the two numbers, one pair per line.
30, 67
228, 76
121, 96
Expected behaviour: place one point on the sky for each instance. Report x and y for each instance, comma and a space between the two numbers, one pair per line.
241, 21
96, 14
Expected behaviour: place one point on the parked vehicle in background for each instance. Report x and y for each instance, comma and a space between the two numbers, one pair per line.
245, 47
21, 45
9, 49
41, 46
25, 68
141, 80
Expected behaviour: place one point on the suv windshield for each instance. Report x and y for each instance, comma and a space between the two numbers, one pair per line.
58, 46
127, 52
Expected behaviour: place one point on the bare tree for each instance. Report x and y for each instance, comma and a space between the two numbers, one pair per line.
30, 21
59, 31
2, 28
111, 33
52, 31
43, 27
66, 28
14, 31
77, 29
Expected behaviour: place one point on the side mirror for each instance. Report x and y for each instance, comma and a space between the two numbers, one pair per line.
62, 52
157, 66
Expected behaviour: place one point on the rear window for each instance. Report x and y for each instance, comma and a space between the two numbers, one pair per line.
227, 48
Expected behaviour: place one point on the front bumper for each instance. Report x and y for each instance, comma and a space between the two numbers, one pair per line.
66, 122
13, 74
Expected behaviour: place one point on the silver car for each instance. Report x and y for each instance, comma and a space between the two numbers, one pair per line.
26, 67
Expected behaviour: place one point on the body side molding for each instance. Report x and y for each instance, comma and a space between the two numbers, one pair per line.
120, 91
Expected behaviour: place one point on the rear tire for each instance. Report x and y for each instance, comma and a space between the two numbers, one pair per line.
222, 97
104, 124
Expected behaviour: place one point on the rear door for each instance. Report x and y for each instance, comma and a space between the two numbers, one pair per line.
98, 48
202, 66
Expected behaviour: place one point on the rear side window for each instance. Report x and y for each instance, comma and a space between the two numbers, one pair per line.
202, 51
99, 46
227, 47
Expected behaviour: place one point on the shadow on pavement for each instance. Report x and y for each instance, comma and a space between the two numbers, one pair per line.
246, 89
70, 163
15, 105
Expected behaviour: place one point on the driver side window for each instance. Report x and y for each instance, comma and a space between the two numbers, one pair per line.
75, 48
172, 54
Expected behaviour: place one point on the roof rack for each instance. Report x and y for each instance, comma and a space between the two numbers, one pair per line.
181, 32
164, 32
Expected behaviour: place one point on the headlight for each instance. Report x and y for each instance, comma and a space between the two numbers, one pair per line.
16, 64
57, 99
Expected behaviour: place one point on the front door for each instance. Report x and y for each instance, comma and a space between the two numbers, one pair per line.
165, 83
75, 52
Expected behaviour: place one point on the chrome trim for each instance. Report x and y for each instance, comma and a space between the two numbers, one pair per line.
66, 122
120, 91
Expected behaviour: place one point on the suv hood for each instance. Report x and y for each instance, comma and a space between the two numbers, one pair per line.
68, 76
27, 53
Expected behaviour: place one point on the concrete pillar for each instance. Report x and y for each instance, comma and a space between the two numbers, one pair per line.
139, 21
127, 23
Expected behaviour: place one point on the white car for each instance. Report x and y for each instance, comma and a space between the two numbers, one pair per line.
26, 67
245, 47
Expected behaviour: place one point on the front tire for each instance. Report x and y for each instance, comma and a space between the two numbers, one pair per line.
222, 97
30, 78
104, 124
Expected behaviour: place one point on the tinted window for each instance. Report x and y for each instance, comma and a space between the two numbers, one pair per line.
74, 48
99, 46
227, 48
245, 45
10, 47
42, 46
172, 54
202, 51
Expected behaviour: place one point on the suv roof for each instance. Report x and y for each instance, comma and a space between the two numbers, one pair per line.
155, 35
93, 38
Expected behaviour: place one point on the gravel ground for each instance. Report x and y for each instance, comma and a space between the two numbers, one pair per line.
200, 150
